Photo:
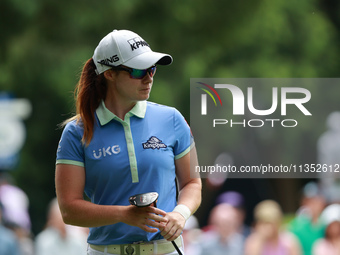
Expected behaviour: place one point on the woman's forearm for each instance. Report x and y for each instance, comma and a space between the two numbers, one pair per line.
86, 214
191, 195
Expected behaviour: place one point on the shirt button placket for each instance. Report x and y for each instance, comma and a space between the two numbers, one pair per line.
131, 150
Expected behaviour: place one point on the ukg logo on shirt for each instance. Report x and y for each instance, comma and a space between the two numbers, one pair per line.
108, 151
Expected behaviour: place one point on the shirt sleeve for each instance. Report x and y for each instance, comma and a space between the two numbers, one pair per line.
184, 138
70, 148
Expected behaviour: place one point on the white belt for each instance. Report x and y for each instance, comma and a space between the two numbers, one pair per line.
162, 246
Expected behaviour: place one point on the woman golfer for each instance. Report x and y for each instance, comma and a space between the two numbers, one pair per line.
119, 145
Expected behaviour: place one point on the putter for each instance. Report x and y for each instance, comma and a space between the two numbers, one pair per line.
147, 199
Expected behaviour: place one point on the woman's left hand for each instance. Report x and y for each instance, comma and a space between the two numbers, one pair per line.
174, 226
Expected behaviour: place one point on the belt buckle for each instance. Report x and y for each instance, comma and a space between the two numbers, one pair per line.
130, 249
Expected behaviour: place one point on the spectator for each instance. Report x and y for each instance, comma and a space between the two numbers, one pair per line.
25, 240
15, 203
223, 236
8, 241
307, 225
236, 200
15, 213
59, 238
267, 238
328, 152
330, 244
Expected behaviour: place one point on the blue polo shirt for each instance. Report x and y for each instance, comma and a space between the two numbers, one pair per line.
128, 157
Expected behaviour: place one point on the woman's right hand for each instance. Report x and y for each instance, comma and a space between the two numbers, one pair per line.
148, 218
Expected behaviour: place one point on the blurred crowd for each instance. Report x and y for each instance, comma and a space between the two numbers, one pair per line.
313, 230
15, 227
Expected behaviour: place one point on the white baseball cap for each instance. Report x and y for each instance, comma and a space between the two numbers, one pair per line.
124, 47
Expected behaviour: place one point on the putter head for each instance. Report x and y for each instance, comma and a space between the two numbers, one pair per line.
145, 199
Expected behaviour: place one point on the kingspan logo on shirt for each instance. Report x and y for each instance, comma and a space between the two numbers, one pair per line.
154, 143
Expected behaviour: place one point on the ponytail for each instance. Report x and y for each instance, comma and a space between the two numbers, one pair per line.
89, 92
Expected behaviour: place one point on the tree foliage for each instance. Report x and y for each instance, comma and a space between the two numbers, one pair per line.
45, 43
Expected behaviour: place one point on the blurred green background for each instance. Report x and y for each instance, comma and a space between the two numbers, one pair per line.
44, 44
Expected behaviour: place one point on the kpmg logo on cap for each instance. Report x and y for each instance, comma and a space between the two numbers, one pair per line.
137, 42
